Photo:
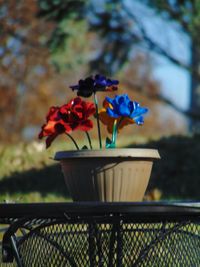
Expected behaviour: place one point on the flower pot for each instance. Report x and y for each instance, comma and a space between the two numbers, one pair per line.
107, 174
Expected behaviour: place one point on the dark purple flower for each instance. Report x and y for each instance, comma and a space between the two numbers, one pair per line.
92, 84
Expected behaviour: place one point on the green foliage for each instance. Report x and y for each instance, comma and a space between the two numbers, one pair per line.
115, 25
185, 12
68, 45
69, 17
57, 10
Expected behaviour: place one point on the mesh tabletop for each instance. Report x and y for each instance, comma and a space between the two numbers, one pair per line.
100, 234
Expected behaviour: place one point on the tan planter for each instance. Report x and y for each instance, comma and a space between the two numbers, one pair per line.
107, 174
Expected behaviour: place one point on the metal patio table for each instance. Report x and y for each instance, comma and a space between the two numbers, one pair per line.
102, 234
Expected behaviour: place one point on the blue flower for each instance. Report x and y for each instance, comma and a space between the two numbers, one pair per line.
122, 106
91, 85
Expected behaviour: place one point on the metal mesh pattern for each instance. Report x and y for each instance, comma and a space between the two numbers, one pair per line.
117, 243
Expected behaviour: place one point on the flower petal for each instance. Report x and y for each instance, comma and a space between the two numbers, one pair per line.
86, 87
124, 110
106, 120
85, 125
112, 113
139, 120
50, 139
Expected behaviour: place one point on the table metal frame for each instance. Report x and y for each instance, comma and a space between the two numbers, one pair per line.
21, 216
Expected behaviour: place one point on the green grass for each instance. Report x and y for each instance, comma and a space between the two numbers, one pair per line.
28, 172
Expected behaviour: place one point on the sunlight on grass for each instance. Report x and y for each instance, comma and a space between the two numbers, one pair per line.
21, 163
32, 197
22, 157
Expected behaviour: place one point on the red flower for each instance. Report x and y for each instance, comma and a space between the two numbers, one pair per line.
67, 118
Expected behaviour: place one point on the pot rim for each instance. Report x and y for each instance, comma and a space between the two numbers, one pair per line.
109, 153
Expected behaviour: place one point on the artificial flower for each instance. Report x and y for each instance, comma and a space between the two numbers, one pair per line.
122, 111
116, 113
54, 126
122, 106
67, 118
109, 121
90, 85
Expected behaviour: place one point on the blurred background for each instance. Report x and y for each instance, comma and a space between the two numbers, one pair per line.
151, 46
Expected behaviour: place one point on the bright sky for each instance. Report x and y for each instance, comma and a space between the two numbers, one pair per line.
175, 81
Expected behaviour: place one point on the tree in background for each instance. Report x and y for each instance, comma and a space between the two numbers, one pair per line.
120, 28
24, 64
76, 34
187, 14
29, 82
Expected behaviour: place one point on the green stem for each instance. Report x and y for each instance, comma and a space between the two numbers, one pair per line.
114, 133
89, 139
121, 119
97, 116
73, 141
